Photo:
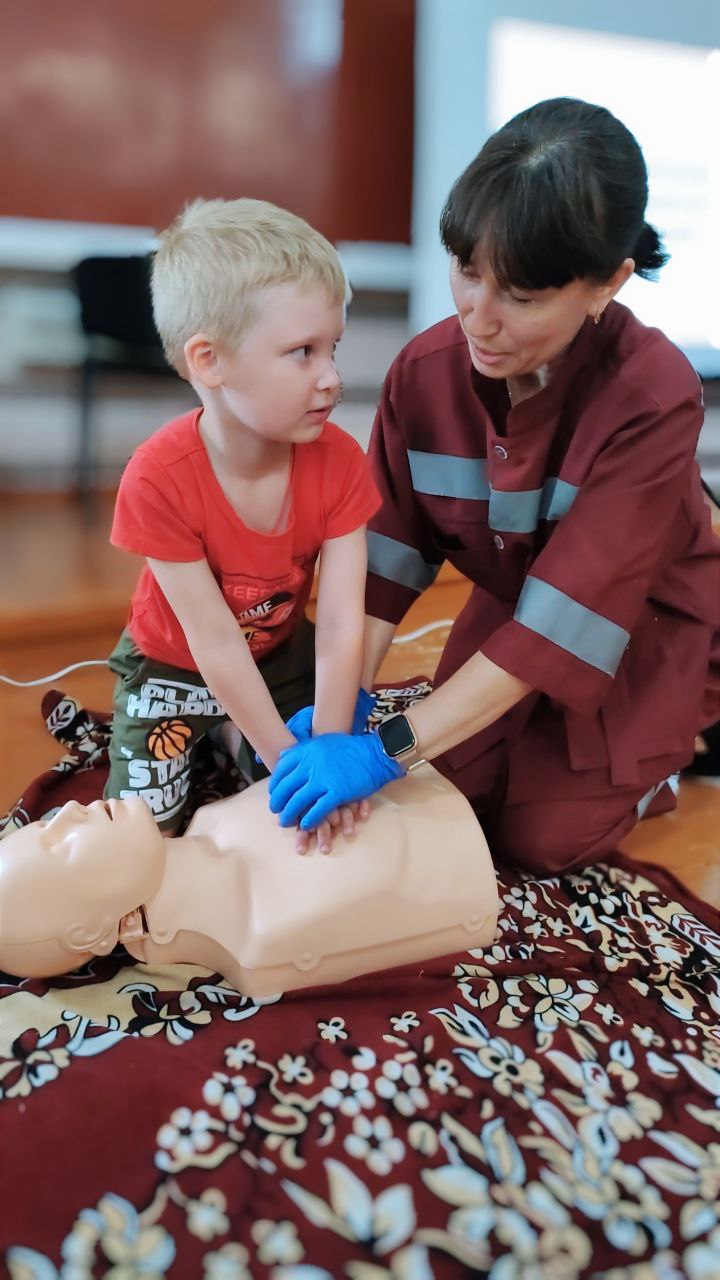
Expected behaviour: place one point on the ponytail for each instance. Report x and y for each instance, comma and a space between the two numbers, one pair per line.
649, 254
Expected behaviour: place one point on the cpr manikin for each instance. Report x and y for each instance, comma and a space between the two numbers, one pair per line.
233, 894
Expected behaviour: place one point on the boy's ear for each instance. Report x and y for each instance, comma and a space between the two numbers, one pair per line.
203, 360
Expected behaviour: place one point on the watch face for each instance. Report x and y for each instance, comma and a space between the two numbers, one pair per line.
397, 735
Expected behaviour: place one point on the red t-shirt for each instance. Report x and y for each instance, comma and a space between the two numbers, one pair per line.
170, 506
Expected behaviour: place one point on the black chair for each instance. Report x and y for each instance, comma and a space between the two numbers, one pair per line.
116, 318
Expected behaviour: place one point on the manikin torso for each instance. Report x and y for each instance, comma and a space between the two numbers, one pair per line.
234, 895
417, 881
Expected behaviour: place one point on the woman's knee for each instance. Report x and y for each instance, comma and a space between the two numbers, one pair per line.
549, 838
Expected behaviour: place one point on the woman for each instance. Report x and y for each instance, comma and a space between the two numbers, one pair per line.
543, 442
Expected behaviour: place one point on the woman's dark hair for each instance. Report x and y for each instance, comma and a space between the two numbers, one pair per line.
557, 194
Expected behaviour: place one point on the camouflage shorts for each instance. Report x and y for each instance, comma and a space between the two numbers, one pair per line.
161, 713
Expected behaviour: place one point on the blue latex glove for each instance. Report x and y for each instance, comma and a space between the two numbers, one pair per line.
364, 707
317, 776
301, 723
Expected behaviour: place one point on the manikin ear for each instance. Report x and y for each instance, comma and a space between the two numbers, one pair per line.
203, 360
99, 940
605, 293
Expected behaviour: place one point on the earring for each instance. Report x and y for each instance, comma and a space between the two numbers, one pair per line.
596, 319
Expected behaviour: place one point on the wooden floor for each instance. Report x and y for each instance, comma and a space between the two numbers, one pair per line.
63, 598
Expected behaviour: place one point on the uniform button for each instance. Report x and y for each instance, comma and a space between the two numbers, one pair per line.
498, 542
500, 452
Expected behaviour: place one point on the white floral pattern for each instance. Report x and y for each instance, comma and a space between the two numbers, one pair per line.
547, 1109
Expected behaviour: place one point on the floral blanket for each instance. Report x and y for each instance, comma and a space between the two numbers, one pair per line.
544, 1110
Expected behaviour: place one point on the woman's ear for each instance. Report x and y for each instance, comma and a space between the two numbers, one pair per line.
620, 277
607, 291
203, 360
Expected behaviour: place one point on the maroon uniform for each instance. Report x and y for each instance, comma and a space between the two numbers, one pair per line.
578, 514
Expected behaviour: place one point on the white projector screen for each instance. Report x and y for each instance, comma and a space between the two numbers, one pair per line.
669, 96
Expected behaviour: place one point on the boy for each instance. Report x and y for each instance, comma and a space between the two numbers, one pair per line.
231, 504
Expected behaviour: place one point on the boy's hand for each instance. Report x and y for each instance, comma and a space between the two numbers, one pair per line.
300, 725
363, 709
312, 779
343, 819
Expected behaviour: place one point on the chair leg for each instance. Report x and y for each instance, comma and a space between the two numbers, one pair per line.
85, 461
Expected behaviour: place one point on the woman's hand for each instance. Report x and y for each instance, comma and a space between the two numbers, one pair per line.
313, 778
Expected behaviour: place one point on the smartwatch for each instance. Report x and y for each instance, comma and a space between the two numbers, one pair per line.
397, 736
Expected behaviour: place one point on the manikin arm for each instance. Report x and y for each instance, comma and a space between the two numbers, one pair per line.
220, 650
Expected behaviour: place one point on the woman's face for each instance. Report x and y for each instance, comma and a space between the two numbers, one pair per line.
512, 333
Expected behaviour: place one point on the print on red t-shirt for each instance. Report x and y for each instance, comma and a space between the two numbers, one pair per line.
268, 612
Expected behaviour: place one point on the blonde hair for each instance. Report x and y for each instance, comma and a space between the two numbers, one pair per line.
216, 258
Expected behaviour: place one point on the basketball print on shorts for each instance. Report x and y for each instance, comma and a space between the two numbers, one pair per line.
168, 738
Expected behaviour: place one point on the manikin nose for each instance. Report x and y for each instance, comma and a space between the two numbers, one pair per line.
71, 811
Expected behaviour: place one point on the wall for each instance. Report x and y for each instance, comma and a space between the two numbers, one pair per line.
120, 113
451, 97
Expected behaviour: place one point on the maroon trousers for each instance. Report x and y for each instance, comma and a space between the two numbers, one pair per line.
576, 819
537, 811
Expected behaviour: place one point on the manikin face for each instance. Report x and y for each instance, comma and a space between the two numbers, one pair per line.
513, 333
281, 383
65, 878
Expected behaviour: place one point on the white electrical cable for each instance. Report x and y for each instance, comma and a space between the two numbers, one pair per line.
423, 631
25, 684
101, 662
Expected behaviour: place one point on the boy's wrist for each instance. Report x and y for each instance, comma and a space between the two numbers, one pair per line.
270, 749
332, 717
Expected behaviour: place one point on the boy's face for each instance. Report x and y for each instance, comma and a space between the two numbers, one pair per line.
281, 382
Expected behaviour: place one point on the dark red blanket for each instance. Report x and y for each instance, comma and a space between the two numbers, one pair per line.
544, 1110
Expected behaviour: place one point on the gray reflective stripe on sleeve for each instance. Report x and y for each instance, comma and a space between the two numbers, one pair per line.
447, 476
557, 498
398, 562
587, 635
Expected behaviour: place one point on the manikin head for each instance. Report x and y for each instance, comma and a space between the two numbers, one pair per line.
66, 883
